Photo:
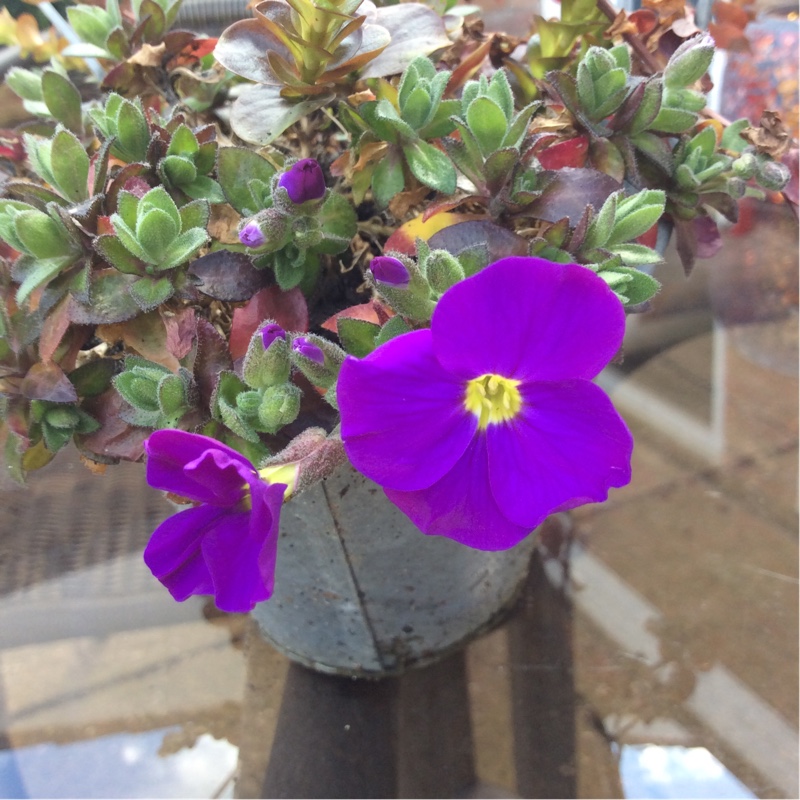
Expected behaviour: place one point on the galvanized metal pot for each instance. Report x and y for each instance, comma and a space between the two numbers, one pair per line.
360, 591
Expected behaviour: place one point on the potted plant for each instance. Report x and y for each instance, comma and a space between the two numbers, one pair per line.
351, 233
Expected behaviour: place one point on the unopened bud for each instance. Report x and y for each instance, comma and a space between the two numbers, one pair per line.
745, 166
270, 332
773, 175
303, 181
251, 235
390, 271
443, 270
302, 346
279, 406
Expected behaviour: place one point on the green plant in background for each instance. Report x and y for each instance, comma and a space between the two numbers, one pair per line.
152, 237
398, 128
494, 148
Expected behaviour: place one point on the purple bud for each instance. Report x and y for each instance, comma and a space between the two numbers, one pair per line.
270, 332
303, 181
390, 271
251, 235
308, 350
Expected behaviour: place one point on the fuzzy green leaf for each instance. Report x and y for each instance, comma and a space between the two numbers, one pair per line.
431, 166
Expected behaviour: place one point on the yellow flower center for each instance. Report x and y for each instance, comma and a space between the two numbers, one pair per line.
492, 398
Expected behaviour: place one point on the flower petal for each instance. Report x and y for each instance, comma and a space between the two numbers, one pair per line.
173, 553
404, 424
241, 550
527, 318
218, 479
567, 447
461, 505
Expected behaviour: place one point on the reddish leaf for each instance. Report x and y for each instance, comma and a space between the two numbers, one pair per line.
707, 235
192, 53
288, 309
48, 382
570, 191
181, 331
227, 275
54, 327
571, 153
373, 311
645, 20
649, 238
115, 439
145, 335
729, 37
11, 146
403, 240
211, 359
499, 241
731, 14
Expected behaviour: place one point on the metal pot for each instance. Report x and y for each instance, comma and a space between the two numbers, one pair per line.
361, 591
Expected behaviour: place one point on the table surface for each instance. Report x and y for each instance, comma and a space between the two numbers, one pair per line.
654, 653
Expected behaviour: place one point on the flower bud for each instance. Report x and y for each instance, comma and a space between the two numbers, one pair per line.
390, 271
772, 175
309, 350
251, 236
303, 181
745, 165
279, 406
443, 270
270, 332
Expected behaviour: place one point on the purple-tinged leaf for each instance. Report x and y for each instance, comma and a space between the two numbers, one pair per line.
110, 300
242, 48
115, 439
570, 191
212, 358
709, 241
226, 275
48, 382
414, 30
499, 242
181, 328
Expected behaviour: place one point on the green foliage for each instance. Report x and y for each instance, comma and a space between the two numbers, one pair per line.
158, 397
493, 143
49, 94
124, 122
406, 121
57, 423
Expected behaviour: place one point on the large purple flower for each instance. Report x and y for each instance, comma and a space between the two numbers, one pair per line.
483, 425
227, 545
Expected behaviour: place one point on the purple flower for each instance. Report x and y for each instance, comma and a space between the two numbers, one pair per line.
270, 332
483, 425
304, 181
251, 235
390, 271
308, 350
226, 545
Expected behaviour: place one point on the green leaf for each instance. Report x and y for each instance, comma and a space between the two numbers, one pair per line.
112, 250
640, 287
133, 133
430, 166
156, 231
41, 235
690, 61
500, 91
417, 107
635, 223
357, 335
499, 166
178, 170
602, 225
488, 123
62, 99
183, 142
387, 113
69, 164
183, 248
236, 168
141, 392
90, 23
394, 327
731, 137
39, 273
388, 178
194, 215
636, 254
25, 83
160, 199
172, 396
128, 238
338, 224
94, 377
673, 120
203, 188
150, 293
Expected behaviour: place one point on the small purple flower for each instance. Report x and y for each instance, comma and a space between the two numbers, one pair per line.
251, 235
270, 332
483, 425
303, 181
227, 544
390, 271
308, 350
